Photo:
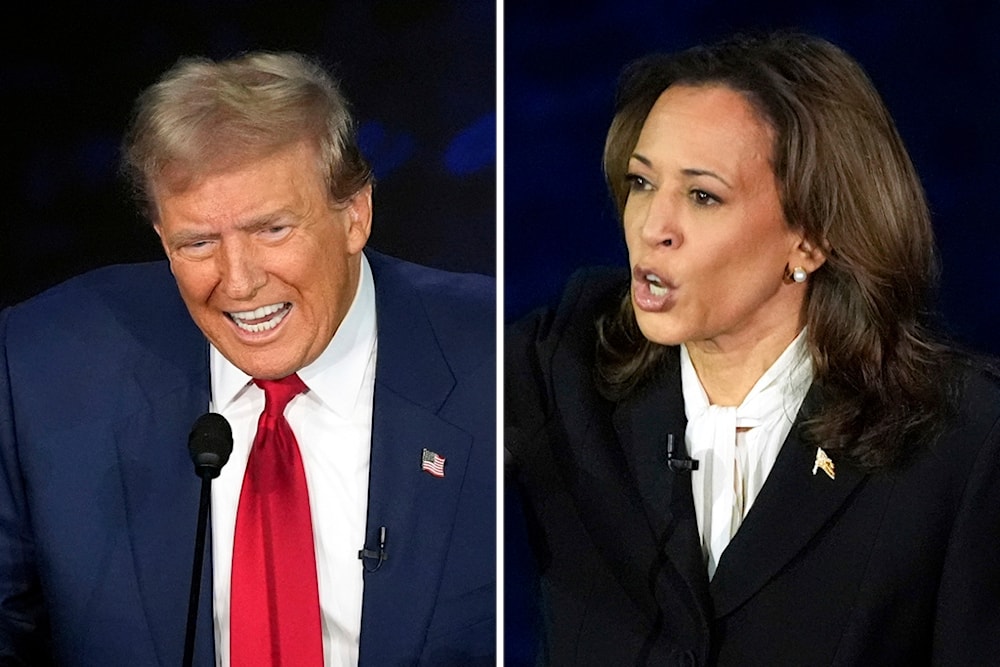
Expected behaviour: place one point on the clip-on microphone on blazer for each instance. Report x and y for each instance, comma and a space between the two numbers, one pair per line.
678, 462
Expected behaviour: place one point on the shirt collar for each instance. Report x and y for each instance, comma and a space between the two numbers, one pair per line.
335, 376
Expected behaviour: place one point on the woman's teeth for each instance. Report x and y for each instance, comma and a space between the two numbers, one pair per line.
656, 288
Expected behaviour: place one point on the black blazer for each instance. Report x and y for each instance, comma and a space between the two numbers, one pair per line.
894, 568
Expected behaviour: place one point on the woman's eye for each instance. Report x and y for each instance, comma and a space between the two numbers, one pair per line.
703, 198
637, 182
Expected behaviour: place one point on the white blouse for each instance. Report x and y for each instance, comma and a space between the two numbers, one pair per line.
737, 446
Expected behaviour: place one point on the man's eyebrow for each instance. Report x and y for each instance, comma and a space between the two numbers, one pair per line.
186, 236
262, 221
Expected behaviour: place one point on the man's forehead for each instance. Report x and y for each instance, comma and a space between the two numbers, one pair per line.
178, 174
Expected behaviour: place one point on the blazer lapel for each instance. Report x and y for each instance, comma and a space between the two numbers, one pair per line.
794, 504
643, 422
416, 508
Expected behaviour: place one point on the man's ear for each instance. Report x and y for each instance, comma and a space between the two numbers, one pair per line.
359, 219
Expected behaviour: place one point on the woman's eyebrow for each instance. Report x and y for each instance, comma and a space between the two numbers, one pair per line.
690, 171
706, 172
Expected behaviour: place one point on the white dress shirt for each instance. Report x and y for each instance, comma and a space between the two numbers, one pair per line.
332, 423
737, 446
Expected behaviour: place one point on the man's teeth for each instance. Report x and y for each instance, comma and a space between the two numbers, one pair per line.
243, 318
655, 288
263, 311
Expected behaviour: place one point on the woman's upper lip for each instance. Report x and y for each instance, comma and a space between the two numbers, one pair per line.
649, 275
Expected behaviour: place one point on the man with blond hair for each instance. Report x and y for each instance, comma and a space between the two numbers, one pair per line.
353, 523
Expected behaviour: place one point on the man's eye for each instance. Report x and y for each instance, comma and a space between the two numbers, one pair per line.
197, 246
275, 232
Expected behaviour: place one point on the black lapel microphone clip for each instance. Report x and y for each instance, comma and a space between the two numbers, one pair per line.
677, 461
379, 556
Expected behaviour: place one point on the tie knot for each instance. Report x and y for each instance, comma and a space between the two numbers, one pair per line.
278, 393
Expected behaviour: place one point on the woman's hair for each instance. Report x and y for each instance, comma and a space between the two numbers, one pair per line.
846, 180
204, 116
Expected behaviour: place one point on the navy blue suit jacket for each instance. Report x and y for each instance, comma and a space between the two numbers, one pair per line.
101, 379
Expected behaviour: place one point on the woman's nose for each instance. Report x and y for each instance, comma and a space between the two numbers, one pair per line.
659, 222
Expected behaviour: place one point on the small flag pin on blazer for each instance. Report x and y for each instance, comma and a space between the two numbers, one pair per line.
432, 462
823, 462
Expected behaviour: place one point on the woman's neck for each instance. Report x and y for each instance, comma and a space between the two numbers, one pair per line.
729, 371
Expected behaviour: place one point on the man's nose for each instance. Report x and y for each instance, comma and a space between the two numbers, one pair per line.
240, 270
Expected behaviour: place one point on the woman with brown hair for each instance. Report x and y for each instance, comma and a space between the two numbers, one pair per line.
754, 448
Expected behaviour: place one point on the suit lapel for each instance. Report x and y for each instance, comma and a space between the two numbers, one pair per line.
161, 494
643, 422
793, 506
417, 509
168, 391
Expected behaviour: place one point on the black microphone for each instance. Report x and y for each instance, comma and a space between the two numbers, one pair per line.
678, 462
379, 555
210, 444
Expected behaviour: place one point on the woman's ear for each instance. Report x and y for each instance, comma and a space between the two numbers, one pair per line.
807, 255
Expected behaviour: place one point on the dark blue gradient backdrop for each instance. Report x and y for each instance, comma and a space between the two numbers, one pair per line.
421, 77
937, 65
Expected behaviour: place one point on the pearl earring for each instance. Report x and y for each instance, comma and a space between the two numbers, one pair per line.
799, 274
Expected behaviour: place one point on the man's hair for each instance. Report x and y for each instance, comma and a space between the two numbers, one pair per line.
846, 181
204, 116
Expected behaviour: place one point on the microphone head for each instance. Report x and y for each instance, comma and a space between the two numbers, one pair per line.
210, 444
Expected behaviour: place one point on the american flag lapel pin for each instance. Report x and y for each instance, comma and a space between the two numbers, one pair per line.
432, 462
824, 463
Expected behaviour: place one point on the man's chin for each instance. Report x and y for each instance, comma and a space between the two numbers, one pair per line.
264, 362
266, 371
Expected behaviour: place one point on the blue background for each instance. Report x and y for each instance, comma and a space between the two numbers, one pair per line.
937, 65
421, 77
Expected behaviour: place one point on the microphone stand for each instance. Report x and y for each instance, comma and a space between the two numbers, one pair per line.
210, 444
199, 557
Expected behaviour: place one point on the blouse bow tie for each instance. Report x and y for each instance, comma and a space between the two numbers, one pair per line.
737, 446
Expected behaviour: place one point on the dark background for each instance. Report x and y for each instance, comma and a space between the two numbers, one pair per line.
937, 65
421, 77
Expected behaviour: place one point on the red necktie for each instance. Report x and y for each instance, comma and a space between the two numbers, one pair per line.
274, 611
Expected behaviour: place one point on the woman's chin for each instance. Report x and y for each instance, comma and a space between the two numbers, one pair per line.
655, 330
